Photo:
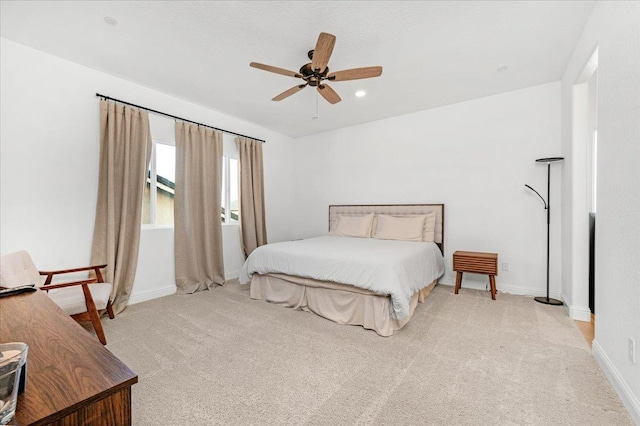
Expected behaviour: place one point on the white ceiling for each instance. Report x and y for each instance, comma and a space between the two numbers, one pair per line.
433, 53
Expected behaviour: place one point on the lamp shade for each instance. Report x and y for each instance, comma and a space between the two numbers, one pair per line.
549, 159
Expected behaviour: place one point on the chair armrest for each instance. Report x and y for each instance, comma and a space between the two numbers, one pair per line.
69, 284
66, 271
95, 268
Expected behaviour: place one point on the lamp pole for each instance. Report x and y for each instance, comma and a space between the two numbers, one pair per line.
547, 205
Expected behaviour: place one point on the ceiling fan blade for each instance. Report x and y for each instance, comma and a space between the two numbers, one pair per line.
322, 52
275, 70
329, 94
289, 92
355, 74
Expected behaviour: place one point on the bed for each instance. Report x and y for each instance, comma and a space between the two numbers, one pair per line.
373, 280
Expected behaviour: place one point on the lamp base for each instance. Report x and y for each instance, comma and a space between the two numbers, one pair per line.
548, 301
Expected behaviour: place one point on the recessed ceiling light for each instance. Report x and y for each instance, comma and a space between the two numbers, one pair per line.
110, 20
360, 93
502, 68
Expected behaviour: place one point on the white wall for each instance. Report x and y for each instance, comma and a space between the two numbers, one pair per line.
474, 156
614, 28
49, 155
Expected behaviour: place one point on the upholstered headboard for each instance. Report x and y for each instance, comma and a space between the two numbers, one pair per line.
396, 210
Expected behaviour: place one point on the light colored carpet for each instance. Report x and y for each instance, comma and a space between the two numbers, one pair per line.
218, 357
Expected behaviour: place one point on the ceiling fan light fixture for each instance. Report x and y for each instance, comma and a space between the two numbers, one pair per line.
360, 93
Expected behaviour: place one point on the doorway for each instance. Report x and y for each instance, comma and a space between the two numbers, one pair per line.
584, 192
593, 178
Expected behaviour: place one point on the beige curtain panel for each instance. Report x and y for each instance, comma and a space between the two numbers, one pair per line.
252, 218
197, 208
125, 151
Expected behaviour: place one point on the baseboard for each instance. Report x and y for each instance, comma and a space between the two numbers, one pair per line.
151, 294
623, 390
575, 312
580, 313
520, 291
232, 275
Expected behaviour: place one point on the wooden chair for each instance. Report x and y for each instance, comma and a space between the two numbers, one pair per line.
79, 299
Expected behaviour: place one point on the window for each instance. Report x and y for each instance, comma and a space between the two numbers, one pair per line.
230, 181
157, 208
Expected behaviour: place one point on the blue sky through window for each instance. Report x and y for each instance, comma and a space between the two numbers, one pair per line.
166, 161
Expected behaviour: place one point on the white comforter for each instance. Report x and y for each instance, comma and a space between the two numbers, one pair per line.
396, 268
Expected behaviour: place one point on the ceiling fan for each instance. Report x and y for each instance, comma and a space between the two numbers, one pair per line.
316, 72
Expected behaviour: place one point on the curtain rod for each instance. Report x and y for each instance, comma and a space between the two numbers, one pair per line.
175, 117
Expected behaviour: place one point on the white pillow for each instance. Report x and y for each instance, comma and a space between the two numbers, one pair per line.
404, 228
429, 227
352, 226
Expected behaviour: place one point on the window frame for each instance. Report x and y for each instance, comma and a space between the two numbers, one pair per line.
153, 186
228, 154
226, 191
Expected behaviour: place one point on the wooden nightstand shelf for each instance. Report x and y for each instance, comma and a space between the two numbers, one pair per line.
477, 263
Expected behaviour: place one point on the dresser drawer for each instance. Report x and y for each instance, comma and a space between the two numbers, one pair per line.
476, 262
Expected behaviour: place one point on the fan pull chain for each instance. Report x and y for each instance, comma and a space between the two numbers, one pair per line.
315, 117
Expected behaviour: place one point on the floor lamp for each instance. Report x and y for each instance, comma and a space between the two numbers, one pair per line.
547, 300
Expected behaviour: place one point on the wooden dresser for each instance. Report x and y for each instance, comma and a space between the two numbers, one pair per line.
71, 378
477, 263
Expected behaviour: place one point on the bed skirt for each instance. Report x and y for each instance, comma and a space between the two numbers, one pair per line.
343, 304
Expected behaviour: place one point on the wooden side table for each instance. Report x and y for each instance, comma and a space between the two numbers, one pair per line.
477, 263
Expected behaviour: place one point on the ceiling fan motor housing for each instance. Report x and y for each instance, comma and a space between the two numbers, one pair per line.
312, 77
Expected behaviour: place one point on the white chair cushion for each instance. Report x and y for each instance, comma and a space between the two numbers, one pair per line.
17, 269
71, 299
